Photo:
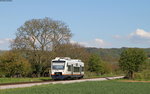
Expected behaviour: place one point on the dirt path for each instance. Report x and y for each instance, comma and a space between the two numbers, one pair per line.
57, 82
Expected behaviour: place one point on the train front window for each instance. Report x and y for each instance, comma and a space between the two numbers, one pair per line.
58, 67
58, 61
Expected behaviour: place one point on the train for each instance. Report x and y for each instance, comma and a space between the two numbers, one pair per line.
66, 68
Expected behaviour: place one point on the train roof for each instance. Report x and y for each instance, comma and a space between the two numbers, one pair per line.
66, 59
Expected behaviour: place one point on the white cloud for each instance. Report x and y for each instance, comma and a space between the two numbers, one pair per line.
97, 42
139, 36
5, 43
140, 33
81, 43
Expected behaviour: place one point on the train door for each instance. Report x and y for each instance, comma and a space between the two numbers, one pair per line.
72, 69
80, 69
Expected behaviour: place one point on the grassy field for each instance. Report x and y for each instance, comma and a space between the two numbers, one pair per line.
14, 80
100, 87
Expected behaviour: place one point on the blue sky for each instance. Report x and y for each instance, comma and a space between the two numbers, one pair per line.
94, 23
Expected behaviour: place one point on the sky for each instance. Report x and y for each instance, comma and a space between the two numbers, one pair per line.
94, 23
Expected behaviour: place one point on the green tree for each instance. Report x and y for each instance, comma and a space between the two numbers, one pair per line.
131, 61
95, 64
13, 64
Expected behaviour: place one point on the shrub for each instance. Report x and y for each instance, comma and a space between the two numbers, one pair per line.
13, 64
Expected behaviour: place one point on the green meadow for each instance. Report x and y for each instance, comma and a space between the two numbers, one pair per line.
95, 87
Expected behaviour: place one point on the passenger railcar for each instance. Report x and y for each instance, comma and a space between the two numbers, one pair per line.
66, 68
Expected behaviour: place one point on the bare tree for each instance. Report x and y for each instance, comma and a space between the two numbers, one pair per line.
75, 51
41, 34
37, 36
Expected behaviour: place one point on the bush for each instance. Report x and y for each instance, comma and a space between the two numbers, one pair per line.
138, 76
95, 64
145, 75
90, 74
13, 64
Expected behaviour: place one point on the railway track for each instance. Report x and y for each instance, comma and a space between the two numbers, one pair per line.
29, 84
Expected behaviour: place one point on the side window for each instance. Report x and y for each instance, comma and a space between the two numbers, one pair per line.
82, 68
76, 69
69, 67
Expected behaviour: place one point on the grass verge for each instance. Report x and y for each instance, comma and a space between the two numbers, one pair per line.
16, 80
94, 75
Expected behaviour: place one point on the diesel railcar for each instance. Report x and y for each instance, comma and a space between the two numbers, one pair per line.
67, 68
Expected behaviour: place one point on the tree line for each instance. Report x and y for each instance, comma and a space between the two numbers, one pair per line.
38, 41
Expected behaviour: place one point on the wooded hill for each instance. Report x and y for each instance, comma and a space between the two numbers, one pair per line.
111, 54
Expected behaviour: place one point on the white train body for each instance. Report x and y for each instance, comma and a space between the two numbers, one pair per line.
65, 68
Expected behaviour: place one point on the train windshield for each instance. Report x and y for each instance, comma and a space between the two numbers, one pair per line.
58, 67
58, 61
